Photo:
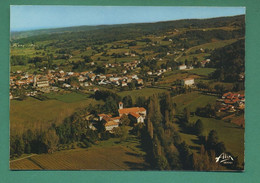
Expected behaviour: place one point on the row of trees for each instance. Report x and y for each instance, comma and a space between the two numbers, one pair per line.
160, 136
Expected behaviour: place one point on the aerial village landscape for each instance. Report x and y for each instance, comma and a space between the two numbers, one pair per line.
159, 96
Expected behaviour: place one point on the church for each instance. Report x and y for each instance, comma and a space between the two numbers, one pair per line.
136, 114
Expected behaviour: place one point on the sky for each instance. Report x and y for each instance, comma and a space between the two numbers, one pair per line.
30, 17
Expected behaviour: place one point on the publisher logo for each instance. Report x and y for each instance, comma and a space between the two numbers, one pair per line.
224, 159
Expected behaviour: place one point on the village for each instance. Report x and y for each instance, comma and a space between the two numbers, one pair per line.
162, 95
54, 80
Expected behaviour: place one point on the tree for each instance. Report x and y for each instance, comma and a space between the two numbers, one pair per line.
212, 139
124, 133
101, 70
162, 163
220, 148
150, 128
219, 88
186, 114
125, 121
141, 101
87, 59
198, 127
110, 105
121, 132
127, 101
19, 146
51, 140
154, 112
74, 81
167, 107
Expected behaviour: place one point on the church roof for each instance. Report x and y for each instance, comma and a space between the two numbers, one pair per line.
132, 109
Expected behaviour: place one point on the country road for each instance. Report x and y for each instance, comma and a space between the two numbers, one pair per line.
22, 158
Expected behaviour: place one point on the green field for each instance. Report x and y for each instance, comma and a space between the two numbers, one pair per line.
193, 100
202, 56
35, 114
107, 155
67, 97
145, 92
213, 45
202, 71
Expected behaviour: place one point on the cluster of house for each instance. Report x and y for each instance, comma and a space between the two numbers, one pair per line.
204, 62
135, 114
126, 65
189, 67
185, 67
45, 82
158, 72
231, 102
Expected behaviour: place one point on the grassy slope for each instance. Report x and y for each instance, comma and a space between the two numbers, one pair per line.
202, 71
34, 114
193, 100
68, 97
145, 92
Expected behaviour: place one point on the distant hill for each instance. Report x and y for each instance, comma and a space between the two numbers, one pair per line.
134, 28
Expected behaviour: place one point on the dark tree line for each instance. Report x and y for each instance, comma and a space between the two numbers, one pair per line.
229, 61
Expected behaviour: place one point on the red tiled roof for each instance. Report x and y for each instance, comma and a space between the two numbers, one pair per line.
107, 119
136, 115
111, 123
132, 109
101, 115
118, 117
226, 94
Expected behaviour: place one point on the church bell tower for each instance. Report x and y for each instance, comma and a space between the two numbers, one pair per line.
121, 105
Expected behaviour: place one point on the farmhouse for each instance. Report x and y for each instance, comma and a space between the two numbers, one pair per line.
140, 81
187, 82
204, 62
136, 118
108, 121
182, 67
110, 125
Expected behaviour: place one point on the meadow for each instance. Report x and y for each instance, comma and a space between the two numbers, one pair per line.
193, 100
144, 92
35, 114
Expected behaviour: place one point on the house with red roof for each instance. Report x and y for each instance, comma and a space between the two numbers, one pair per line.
136, 114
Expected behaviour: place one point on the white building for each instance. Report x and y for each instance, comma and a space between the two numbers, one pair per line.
188, 82
182, 67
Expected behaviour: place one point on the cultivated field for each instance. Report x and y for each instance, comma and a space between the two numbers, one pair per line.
108, 155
